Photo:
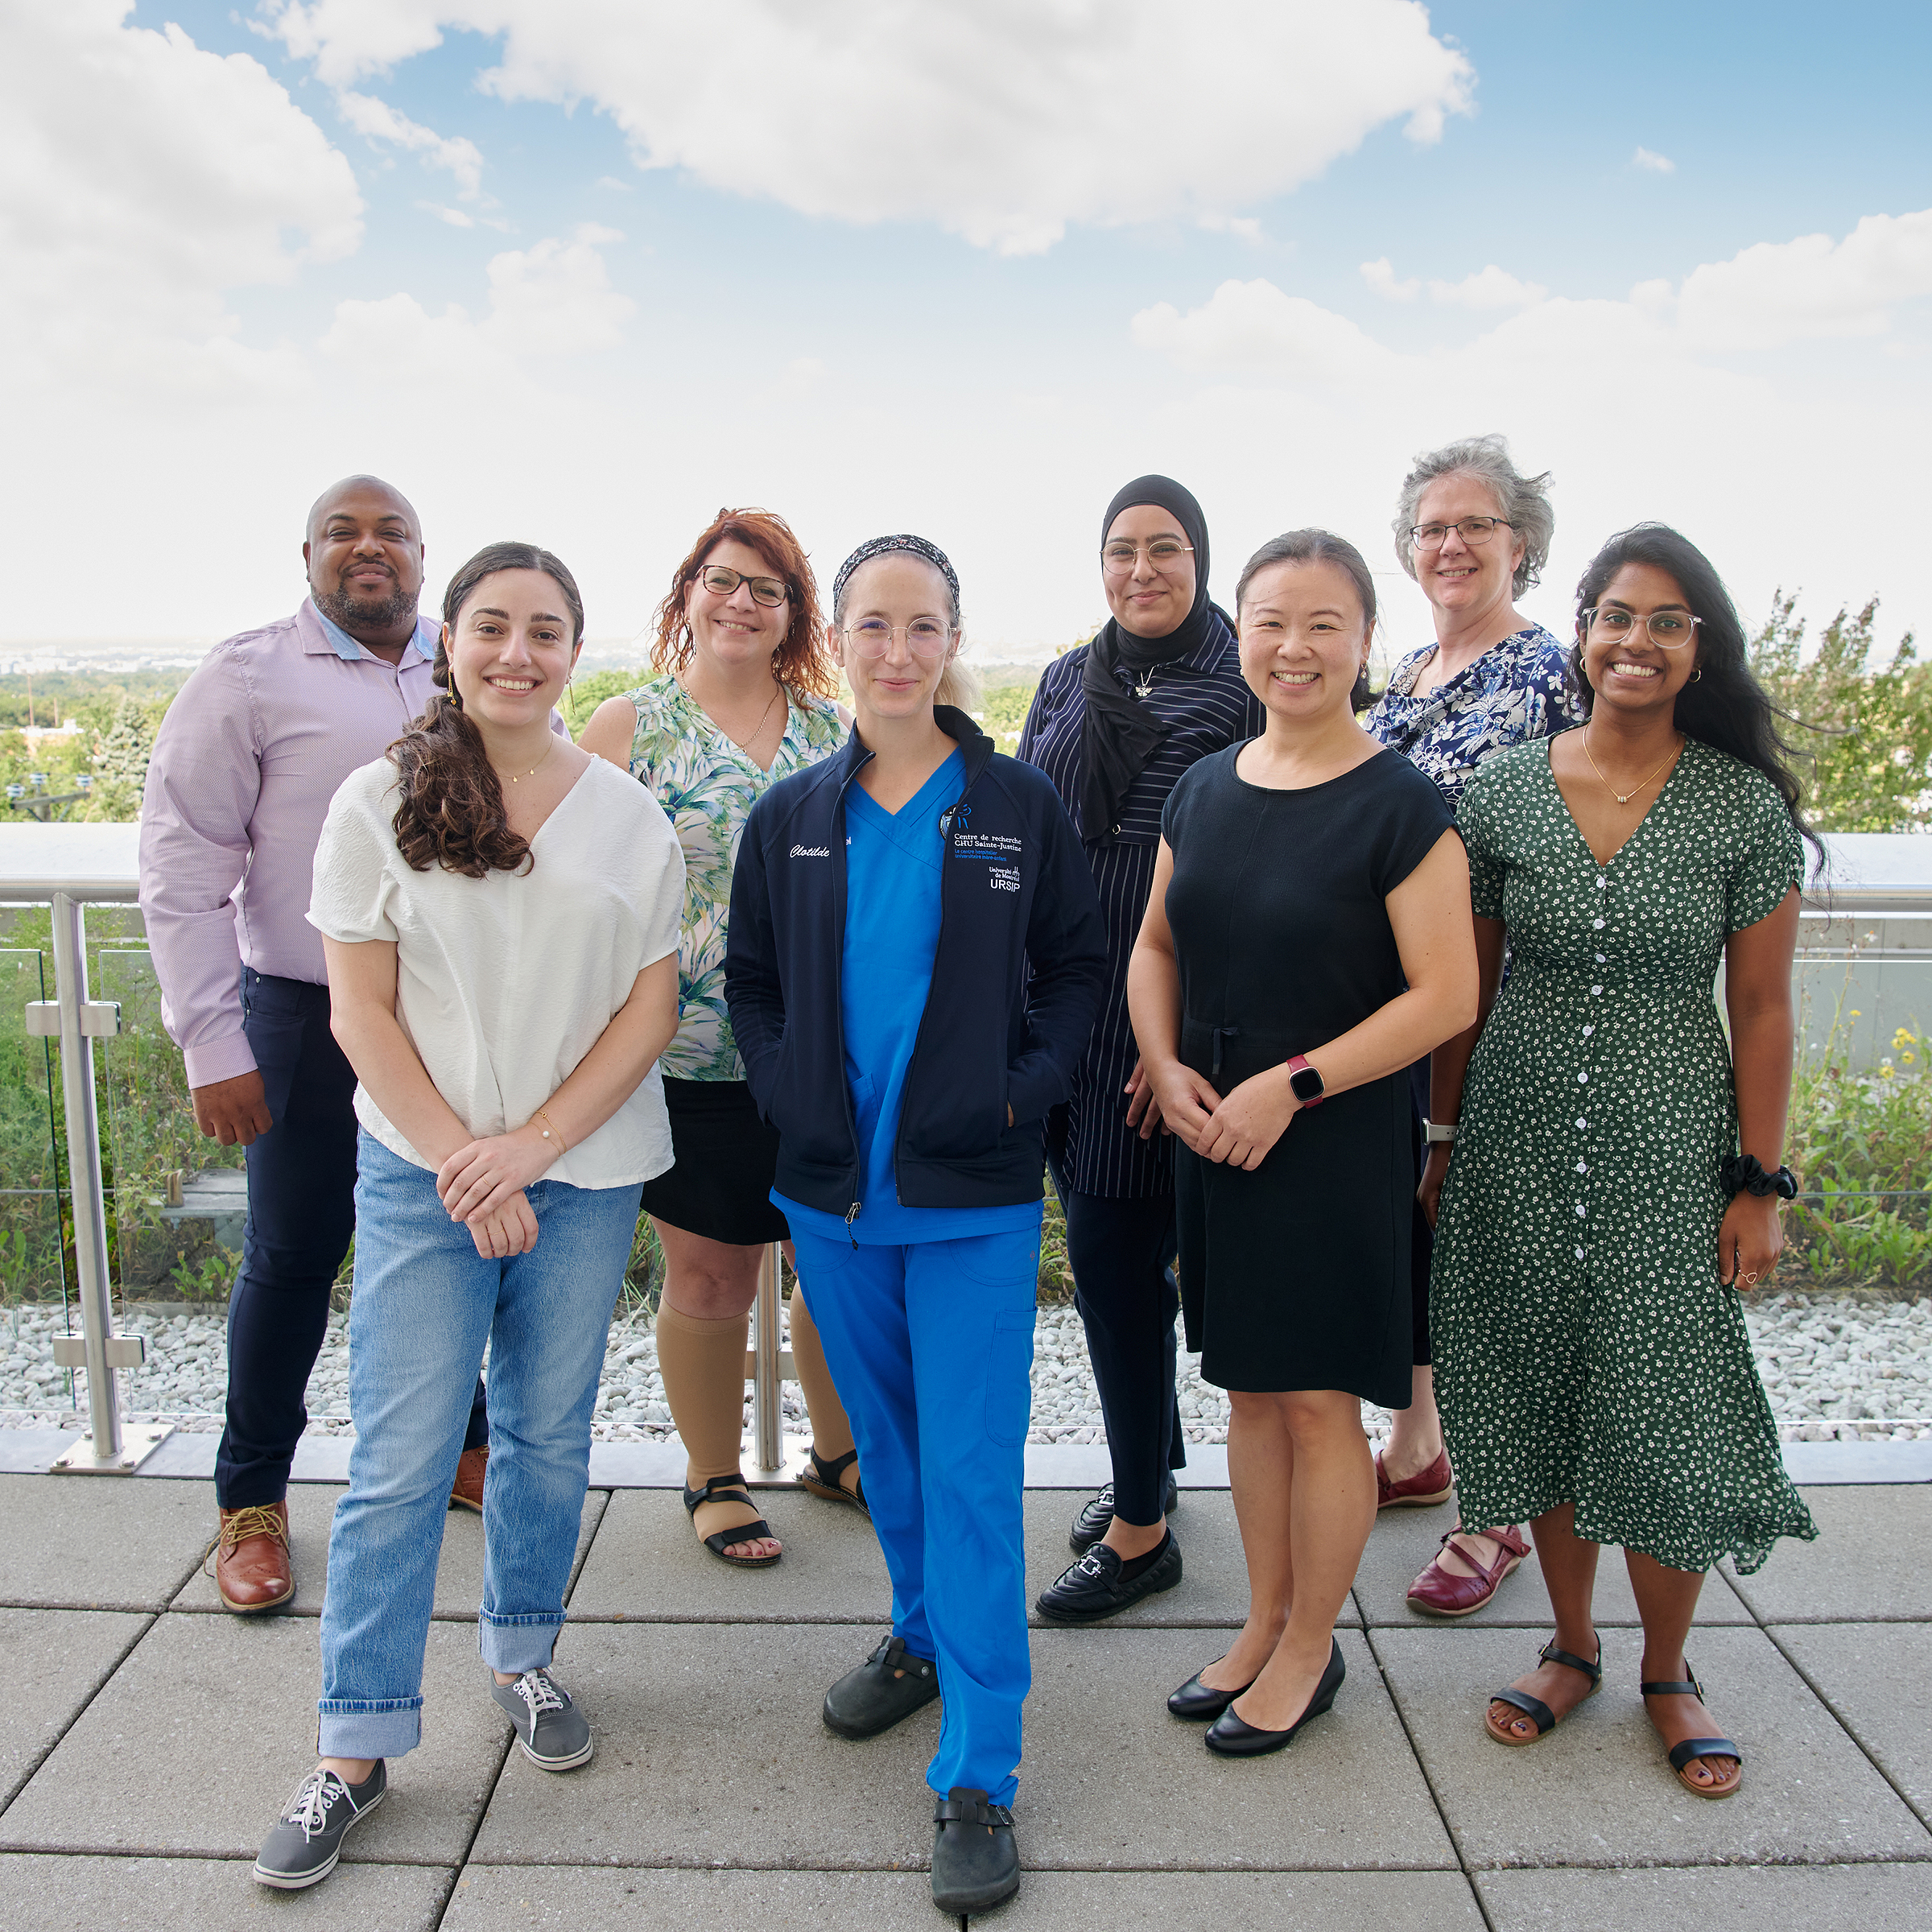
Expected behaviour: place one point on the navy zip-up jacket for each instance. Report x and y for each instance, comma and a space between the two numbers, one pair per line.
1016, 983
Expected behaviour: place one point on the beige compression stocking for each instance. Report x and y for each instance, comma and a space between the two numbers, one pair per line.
703, 1364
831, 1432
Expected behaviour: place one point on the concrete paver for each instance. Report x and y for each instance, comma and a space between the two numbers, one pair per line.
459, 1573
510, 1898
1599, 1791
54, 1894
1404, 1539
1767, 1898
234, 1698
1872, 1558
52, 1662
1877, 1678
100, 1543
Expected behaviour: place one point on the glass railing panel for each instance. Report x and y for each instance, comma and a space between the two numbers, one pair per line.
32, 1181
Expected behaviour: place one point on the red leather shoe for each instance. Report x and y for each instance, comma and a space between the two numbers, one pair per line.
467, 1491
252, 1571
1442, 1593
1425, 1488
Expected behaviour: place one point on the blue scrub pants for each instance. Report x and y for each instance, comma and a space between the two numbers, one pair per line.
931, 1347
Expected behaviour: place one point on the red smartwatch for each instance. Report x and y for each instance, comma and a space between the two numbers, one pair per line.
1305, 1081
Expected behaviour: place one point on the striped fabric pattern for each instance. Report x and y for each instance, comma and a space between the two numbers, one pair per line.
1204, 698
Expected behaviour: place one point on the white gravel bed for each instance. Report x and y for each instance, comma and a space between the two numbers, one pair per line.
1850, 1366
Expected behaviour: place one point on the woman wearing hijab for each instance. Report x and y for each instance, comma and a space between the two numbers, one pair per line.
1114, 724
913, 965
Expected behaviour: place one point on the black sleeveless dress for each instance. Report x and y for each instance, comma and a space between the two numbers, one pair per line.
1296, 1276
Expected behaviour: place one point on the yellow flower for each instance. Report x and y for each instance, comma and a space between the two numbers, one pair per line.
1909, 1058
1905, 1037
1885, 1073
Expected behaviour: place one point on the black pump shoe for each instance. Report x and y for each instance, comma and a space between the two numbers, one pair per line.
975, 1862
1230, 1737
1199, 1702
1096, 1518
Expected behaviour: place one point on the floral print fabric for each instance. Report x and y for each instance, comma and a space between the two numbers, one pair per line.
1585, 1350
1515, 692
708, 787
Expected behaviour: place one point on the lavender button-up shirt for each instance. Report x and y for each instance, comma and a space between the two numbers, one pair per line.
248, 757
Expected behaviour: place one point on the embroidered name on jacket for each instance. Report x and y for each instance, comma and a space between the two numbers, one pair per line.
810, 851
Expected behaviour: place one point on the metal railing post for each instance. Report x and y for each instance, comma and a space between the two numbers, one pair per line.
767, 1417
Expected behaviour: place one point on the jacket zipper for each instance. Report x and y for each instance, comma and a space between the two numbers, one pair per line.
838, 977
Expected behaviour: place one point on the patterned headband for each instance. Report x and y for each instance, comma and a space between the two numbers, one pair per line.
880, 546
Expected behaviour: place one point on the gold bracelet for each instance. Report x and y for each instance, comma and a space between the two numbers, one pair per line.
550, 1129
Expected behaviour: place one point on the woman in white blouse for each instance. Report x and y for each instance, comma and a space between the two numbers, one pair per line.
499, 911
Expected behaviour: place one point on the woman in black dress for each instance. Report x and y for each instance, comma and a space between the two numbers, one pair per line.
1114, 724
1309, 938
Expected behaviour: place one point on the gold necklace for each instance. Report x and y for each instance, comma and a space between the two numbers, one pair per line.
1623, 798
518, 778
751, 738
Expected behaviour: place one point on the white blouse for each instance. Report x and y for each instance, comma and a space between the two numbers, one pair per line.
505, 983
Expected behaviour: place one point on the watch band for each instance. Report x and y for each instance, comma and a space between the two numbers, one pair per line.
1434, 1130
1305, 1081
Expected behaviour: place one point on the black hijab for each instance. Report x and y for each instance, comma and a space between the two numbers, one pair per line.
1118, 735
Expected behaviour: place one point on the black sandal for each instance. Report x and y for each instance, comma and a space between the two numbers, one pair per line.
822, 1479
1534, 1708
1683, 1755
730, 1489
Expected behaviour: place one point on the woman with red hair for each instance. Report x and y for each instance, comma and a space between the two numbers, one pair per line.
741, 698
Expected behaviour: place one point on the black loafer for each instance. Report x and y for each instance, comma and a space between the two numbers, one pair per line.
1229, 1737
1097, 1587
1096, 1516
1199, 1702
891, 1684
975, 1862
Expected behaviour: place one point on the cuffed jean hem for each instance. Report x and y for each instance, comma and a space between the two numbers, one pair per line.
384, 1730
517, 1643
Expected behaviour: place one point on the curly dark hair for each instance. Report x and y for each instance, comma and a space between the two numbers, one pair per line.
452, 812
801, 662
1726, 708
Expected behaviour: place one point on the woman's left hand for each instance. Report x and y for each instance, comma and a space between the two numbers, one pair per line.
1248, 1123
1749, 1240
477, 1180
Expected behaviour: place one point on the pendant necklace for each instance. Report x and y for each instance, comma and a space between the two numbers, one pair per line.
744, 743
516, 778
1623, 798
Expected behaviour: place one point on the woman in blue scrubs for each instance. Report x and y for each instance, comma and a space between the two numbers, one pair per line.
915, 959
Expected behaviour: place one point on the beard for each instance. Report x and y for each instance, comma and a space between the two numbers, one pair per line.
365, 613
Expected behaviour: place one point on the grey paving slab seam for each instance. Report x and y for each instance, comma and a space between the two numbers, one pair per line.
711, 1751
100, 1543
53, 1662
459, 1569
1767, 1898
1872, 1560
1598, 1790
1877, 1680
49, 1894
234, 1698
510, 1899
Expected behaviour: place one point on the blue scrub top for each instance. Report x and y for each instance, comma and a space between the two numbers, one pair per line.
894, 863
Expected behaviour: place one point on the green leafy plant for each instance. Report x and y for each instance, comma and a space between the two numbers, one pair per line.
210, 1279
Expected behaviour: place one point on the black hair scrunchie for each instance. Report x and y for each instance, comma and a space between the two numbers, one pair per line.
1744, 1174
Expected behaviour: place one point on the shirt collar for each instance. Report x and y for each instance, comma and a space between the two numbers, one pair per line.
346, 648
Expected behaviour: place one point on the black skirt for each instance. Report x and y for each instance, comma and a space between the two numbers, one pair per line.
725, 1160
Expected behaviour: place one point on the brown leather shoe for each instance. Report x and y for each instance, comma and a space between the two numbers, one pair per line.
253, 1571
1425, 1488
467, 1488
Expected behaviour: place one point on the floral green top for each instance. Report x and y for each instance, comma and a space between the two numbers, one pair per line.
708, 787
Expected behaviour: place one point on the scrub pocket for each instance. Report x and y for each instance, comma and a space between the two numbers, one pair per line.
1010, 1379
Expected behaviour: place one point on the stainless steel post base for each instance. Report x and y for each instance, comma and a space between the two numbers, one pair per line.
139, 1441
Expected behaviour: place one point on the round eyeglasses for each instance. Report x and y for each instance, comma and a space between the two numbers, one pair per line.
1472, 530
926, 638
1163, 553
1671, 630
721, 582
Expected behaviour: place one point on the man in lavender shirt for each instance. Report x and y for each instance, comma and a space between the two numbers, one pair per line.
245, 763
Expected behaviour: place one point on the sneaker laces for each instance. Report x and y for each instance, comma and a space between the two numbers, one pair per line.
537, 1690
308, 1809
257, 1519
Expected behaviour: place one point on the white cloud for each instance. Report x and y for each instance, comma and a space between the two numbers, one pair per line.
1493, 288
141, 178
1380, 275
1253, 325
378, 121
1003, 121
1657, 164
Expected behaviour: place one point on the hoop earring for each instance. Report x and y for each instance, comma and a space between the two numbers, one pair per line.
1697, 671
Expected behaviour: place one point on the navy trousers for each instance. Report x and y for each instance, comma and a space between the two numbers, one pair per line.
301, 1214
1122, 1253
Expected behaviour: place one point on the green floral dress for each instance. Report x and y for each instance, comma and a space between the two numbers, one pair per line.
1585, 1350
708, 787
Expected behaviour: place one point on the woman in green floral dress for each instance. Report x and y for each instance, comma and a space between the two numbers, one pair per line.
740, 700
1593, 1239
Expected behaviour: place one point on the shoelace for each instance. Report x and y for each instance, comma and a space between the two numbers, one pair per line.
309, 1808
259, 1519
537, 1690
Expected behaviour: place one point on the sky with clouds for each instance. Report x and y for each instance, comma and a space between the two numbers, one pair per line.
581, 270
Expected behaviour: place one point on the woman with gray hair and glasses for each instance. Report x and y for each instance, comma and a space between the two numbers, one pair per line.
1474, 532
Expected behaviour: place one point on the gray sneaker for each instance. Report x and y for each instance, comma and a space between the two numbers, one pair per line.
554, 1734
306, 1841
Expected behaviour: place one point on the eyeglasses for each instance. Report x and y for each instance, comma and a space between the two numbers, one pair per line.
925, 636
1673, 629
1472, 530
720, 582
1163, 553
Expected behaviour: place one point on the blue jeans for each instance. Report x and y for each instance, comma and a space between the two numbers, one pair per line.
931, 1347
424, 1304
